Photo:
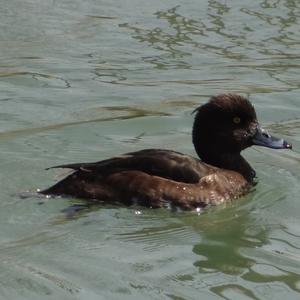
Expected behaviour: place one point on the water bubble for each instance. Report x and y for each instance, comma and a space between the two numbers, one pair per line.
198, 210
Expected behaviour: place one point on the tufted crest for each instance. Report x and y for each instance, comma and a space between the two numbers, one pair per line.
230, 104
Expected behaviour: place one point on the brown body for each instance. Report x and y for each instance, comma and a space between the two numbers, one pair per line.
223, 127
153, 178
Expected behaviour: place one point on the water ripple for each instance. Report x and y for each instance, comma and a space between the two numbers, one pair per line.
44, 79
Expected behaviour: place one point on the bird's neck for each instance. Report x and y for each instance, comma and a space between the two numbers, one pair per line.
229, 161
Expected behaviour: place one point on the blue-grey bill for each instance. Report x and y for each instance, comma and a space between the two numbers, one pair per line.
263, 138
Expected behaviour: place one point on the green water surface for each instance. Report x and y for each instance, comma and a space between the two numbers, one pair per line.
85, 80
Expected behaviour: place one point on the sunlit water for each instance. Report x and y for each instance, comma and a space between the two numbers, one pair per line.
85, 80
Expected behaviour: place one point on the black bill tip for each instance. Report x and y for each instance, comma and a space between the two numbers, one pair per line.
287, 145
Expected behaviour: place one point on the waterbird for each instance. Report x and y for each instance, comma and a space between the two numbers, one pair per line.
223, 127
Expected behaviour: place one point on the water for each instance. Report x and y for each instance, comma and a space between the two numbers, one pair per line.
85, 80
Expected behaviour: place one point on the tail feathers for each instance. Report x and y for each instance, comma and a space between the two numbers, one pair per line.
63, 187
79, 188
69, 166
54, 190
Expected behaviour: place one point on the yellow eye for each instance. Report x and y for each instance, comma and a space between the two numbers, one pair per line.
236, 120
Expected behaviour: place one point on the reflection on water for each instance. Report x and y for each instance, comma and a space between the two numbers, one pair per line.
86, 80
227, 255
230, 239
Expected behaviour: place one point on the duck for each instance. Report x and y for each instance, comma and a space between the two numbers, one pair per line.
158, 178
